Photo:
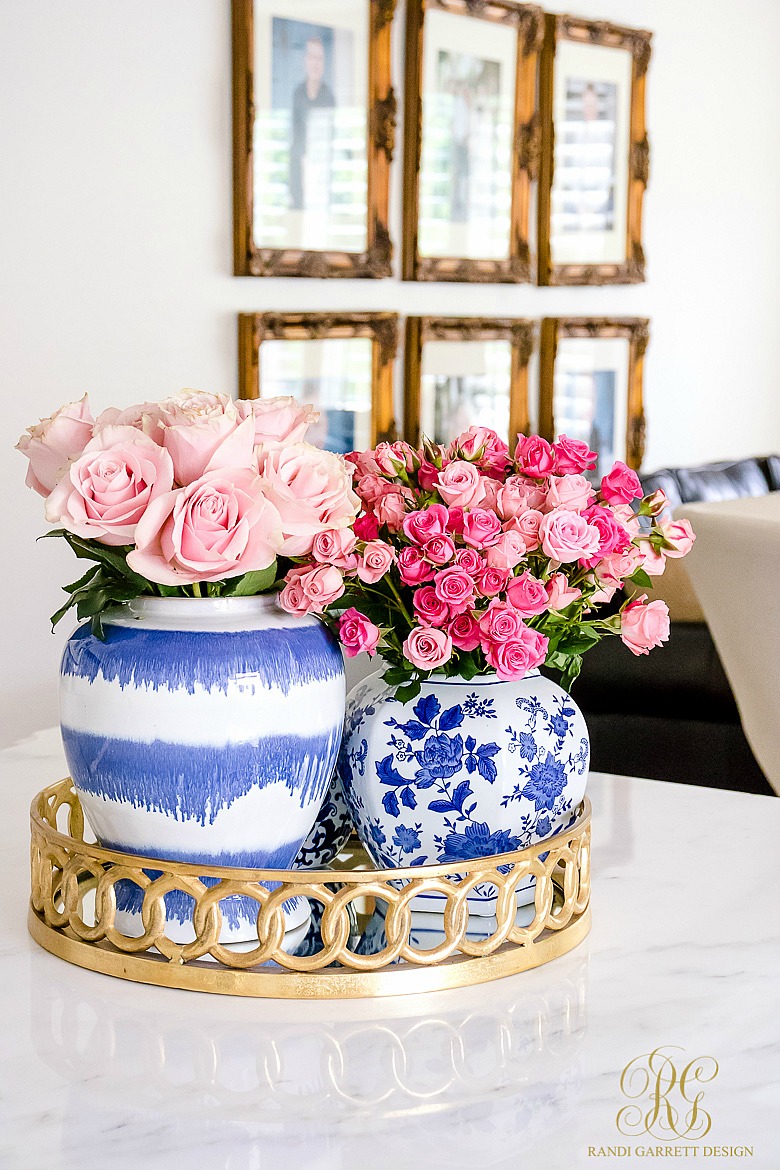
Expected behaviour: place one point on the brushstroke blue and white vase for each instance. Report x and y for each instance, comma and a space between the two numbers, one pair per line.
203, 730
467, 769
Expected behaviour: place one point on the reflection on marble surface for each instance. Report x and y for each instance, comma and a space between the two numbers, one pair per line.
99, 1074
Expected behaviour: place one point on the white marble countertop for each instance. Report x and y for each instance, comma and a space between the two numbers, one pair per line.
684, 951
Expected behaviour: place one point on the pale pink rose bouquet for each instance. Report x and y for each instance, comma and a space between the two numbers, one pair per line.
194, 496
470, 560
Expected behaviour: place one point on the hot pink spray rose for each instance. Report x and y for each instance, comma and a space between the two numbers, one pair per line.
527, 595
572, 456
621, 485
514, 658
54, 442
357, 634
534, 456
107, 491
427, 647
220, 526
644, 624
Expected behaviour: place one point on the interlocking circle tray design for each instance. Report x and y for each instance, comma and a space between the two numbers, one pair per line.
351, 947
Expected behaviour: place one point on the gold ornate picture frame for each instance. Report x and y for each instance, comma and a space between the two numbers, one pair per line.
467, 366
455, 88
351, 385
595, 155
595, 393
268, 134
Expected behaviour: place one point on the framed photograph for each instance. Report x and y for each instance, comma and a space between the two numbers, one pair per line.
466, 371
590, 385
471, 143
595, 152
313, 137
340, 362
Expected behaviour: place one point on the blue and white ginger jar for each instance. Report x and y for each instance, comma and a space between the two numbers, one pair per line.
465, 770
203, 731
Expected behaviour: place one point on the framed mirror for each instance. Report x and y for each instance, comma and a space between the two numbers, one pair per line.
342, 363
313, 137
590, 385
471, 140
595, 152
466, 371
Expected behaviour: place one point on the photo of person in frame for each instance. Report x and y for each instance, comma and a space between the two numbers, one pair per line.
468, 88
306, 59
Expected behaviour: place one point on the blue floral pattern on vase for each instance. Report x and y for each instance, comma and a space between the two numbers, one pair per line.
329, 832
466, 770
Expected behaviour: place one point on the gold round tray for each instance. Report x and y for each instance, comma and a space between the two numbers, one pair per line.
351, 948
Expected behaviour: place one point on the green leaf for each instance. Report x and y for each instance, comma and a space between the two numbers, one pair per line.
115, 558
251, 583
82, 581
408, 691
578, 641
641, 578
395, 675
169, 590
467, 666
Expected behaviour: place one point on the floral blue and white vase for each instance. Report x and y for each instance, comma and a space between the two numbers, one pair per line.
203, 731
465, 770
329, 832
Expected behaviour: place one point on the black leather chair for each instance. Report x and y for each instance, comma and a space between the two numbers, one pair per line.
671, 715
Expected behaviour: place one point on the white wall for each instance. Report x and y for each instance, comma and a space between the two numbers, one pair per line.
115, 246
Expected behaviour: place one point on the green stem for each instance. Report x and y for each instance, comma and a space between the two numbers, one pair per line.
196, 589
399, 599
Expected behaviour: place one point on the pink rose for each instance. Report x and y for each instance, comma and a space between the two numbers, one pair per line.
514, 658
428, 476
621, 485
204, 432
322, 585
335, 546
653, 559
413, 567
572, 492
482, 446
53, 443
357, 634
439, 550
430, 609
469, 560
499, 623
464, 631
655, 504
508, 551
573, 456
527, 524
371, 488
567, 536
455, 521
393, 458
220, 526
527, 595
312, 491
560, 593
277, 420
455, 587
292, 598
144, 416
460, 484
481, 528
625, 515
391, 508
107, 491
375, 560
366, 527
613, 537
644, 625
534, 456
492, 581
678, 537
614, 568
428, 647
420, 526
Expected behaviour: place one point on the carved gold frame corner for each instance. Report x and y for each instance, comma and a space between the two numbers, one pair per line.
380, 328
637, 42
528, 20
376, 260
637, 331
519, 331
